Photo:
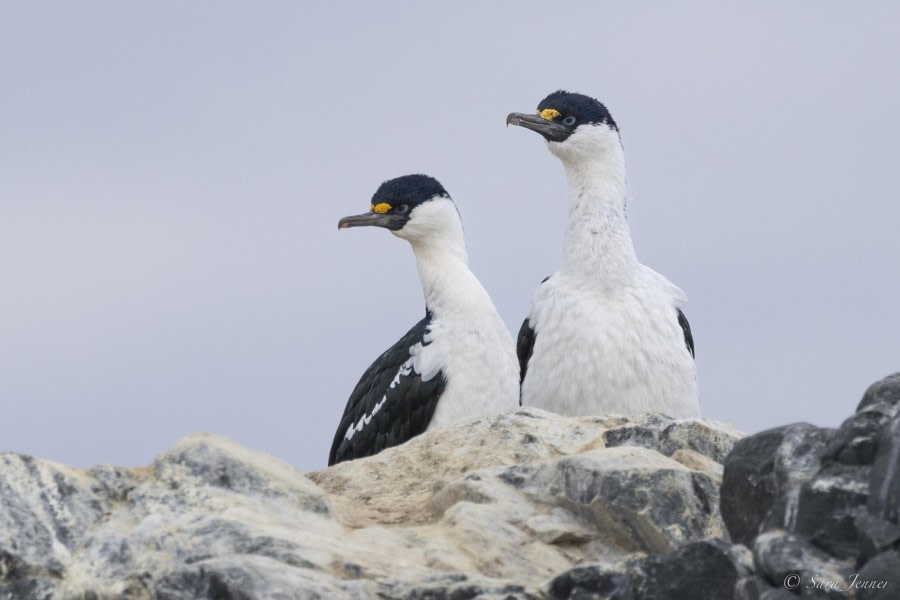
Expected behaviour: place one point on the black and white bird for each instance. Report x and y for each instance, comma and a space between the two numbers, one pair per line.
459, 361
604, 334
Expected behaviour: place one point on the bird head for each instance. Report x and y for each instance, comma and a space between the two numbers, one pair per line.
576, 127
416, 208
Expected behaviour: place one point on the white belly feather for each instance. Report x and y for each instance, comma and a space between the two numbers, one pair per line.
609, 351
479, 362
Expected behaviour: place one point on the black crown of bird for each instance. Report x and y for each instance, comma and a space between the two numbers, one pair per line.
394, 200
560, 113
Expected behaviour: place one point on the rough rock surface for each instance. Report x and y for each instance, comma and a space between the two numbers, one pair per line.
522, 506
500, 507
812, 513
819, 507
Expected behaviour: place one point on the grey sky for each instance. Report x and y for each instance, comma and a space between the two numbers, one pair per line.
172, 174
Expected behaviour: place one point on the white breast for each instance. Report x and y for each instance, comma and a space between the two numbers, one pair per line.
480, 365
601, 351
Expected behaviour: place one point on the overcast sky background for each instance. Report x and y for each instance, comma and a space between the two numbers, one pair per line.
172, 174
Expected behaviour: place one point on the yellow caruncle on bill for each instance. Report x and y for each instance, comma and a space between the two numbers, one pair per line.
549, 114
381, 208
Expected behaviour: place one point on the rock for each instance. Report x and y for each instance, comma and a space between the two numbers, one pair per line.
594, 581
632, 498
882, 396
699, 570
522, 506
484, 508
874, 534
817, 505
884, 499
763, 468
711, 439
827, 506
780, 556
879, 579
855, 443
757, 588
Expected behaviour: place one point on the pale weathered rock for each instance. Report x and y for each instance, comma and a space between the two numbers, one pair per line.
487, 508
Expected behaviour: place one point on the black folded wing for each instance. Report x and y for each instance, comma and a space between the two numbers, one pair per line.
525, 347
525, 344
686, 328
391, 403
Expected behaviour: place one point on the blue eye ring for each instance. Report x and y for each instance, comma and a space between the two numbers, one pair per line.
402, 209
569, 121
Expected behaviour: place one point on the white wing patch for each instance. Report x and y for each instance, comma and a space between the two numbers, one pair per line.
424, 363
427, 361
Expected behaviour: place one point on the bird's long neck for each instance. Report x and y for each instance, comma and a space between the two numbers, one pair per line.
449, 286
597, 240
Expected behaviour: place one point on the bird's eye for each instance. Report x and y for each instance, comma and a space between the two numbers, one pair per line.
402, 209
570, 120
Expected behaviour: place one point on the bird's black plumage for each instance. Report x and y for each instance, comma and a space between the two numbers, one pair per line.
584, 108
410, 190
525, 345
407, 407
686, 328
524, 349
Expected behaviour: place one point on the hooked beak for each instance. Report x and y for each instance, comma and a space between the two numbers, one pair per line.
373, 219
552, 132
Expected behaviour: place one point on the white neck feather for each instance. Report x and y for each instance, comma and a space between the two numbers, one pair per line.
597, 240
436, 235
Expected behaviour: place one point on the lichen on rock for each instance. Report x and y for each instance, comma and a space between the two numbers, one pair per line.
488, 507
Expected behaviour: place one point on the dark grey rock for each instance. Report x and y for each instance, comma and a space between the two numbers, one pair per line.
645, 432
856, 441
763, 468
629, 496
797, 459
700, 436
777, 594
757, 588
882, 396
593, 581
827, 507
875, 534
28, 588
751, 588
879, 579
251, 578
884, 499
453, 587
696, 571
666, 435
800, 455
749, 489
778, 554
